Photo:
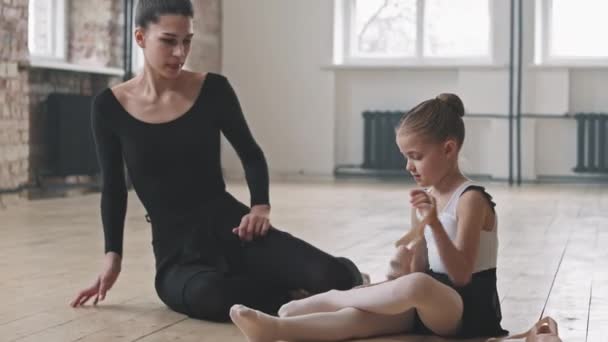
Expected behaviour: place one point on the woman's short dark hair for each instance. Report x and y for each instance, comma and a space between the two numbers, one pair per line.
149, 11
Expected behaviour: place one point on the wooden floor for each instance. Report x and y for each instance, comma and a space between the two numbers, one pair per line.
553, 259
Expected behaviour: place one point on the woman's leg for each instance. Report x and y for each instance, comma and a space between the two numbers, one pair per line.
282, 258
203, 293
299, 265
438, 306
344, 324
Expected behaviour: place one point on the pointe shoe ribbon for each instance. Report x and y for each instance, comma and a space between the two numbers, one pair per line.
414, 235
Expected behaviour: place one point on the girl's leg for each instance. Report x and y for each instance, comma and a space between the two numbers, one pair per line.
439, 306
400, 265
344, 324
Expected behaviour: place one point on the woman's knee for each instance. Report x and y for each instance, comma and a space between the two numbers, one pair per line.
339, 273
333, 274
207, 298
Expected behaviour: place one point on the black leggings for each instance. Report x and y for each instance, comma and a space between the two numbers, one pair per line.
214, 272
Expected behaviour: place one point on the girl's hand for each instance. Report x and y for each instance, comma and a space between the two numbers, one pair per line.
254, 224
425, 205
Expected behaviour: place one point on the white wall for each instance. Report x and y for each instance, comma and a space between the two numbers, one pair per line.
273, 51
307, 117
588, 90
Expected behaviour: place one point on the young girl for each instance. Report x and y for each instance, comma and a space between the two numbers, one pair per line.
447, 285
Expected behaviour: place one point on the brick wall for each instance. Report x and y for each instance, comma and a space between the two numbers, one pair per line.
206, 45
14, 102
95, 37
95, 32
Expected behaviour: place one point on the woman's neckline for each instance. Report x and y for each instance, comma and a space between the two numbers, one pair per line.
163, 123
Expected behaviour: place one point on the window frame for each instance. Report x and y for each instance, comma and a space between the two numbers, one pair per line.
544, 41
345, 38
57, 39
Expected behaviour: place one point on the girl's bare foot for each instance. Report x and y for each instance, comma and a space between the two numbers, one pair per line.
255, 325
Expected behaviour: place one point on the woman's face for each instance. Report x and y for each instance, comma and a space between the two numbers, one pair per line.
166, 44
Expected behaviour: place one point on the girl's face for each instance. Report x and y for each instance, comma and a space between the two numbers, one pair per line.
166, 44
427, 161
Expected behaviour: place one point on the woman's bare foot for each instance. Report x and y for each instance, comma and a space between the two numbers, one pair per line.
255, 325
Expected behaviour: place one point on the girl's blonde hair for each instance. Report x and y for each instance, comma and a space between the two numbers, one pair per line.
438, 119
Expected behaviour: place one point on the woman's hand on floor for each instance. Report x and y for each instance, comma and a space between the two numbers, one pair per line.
254, 224
103, 283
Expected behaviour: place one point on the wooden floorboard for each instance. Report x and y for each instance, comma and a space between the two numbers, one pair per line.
553, 259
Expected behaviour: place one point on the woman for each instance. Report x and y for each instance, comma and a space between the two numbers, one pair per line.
211, 250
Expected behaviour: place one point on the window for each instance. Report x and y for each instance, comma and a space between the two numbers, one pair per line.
47, 29
456, 28
571, 31
137, 54
382, 28
416, 31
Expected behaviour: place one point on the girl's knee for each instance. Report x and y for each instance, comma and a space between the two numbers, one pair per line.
417, 285
354, 313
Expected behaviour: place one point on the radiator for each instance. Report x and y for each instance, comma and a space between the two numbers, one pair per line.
70, 140
592, 153
380, 150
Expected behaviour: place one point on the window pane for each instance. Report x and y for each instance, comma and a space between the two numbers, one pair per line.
40, 27
456, 28
578, 28
384, 28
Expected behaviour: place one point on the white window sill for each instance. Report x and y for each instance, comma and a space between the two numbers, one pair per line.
556, 66
573, 65
59, 65
338, 67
